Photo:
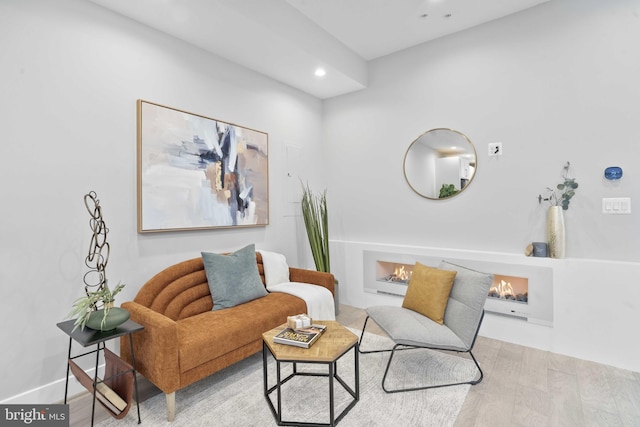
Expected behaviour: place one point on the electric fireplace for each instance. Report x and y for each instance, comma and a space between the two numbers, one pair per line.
522, 291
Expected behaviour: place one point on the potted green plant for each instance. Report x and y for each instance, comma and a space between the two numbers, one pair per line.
96, 311
447, 190
316, 222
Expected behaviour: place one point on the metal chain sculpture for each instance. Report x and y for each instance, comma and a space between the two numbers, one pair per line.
95, 279
96, 287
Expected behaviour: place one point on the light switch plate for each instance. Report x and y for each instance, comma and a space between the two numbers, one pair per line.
616, 205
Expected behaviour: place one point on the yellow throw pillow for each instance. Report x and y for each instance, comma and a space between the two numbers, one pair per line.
428, 291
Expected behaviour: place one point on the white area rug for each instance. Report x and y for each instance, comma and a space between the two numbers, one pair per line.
234, 396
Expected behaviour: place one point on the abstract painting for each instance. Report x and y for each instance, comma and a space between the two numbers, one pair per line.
195, 172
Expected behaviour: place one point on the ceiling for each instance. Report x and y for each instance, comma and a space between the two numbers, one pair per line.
288, 40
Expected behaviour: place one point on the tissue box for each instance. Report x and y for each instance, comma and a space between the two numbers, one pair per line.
299, 321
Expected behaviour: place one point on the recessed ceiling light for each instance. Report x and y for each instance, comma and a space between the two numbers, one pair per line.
320, 72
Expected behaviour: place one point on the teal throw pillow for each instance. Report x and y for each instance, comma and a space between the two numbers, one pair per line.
233, 279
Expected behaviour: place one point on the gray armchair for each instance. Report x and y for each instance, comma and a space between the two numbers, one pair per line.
462, 319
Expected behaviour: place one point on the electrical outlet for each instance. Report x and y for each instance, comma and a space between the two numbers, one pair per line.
495, 149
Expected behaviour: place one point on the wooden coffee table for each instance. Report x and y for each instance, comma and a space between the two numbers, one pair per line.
334, 343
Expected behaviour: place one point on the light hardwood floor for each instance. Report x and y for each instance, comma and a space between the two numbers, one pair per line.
522, 386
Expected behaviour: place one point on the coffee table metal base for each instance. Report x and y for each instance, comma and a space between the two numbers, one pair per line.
331, 374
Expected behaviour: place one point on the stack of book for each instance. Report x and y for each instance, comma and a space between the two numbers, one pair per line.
302, 337
110, 398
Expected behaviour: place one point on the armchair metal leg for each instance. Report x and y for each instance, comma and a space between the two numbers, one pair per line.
362, 333
479, 370
362, 336
386, 371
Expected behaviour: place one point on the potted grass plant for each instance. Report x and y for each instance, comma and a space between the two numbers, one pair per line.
316, 222
95, 310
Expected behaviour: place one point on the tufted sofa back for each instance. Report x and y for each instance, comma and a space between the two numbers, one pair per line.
181, 291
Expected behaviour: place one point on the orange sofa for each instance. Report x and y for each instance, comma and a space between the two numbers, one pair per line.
184, 341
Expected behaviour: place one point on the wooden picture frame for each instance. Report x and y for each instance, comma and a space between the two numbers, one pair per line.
196, 173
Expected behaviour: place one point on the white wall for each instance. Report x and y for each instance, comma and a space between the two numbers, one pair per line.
70, 74
554, 83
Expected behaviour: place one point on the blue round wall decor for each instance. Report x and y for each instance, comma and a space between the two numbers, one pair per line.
613, 173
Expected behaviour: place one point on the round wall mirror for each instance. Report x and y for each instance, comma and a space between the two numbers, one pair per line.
440, 164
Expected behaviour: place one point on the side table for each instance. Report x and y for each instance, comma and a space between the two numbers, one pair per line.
89, 337
334, 343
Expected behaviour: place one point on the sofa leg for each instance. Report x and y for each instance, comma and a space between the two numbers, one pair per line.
171, 406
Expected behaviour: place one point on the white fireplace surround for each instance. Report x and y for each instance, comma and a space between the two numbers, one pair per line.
538, 310
596, 303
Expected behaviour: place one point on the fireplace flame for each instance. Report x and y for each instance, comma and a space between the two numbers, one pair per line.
502, 290
401, 273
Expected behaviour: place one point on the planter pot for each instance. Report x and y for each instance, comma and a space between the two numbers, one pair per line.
555, 232
116, 317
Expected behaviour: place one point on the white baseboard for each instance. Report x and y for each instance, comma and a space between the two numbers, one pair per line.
50, 393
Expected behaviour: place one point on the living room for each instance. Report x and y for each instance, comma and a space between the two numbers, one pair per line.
553, 83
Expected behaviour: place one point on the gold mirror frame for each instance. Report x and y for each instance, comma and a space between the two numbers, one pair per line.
440, 157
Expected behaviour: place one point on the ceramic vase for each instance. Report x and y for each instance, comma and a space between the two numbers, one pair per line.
115, 317
555, 232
